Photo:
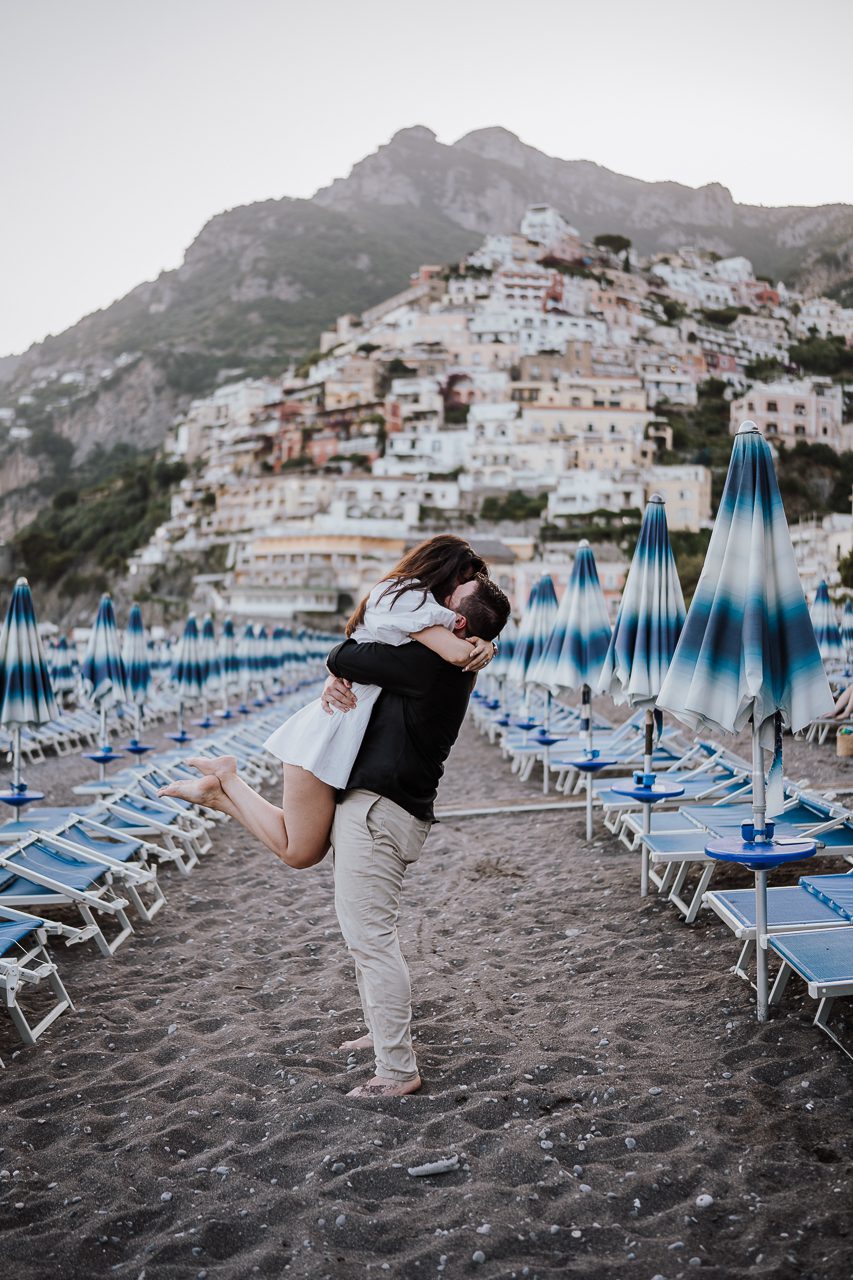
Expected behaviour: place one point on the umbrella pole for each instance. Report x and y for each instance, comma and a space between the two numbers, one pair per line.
759, 822
104, 743
16, 759
586, 732
546, 754
759, 800
138, 720
648, 751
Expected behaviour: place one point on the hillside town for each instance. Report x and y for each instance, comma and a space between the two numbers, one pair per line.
519, 395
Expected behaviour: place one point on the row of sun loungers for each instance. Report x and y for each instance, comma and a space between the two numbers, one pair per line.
808, 922
98, 864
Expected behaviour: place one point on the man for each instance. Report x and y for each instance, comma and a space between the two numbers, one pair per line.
384, 816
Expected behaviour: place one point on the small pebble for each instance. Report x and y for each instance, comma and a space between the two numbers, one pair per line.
655, 1091
704, 1201
630, 1143
485, 1229
478, 1256
167, 1195
340, 1220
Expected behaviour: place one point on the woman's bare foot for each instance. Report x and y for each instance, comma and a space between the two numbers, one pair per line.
203, 791
214, 766
380, 1088
363, 1042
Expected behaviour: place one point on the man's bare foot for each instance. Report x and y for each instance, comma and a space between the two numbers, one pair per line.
214, 766
203, 791
363, 1042
380, 1088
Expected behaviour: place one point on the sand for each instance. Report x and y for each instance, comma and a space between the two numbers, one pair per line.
589, 1060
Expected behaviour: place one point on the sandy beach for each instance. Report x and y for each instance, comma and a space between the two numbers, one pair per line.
615, 1109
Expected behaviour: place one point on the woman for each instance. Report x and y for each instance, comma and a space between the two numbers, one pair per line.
416, 601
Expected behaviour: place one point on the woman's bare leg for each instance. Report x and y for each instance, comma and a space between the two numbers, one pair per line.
298, 832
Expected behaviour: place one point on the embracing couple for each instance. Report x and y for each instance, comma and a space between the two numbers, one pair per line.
362, 765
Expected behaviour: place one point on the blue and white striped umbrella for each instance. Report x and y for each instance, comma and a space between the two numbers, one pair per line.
186, 665
278, 648
500, 664
26, 693
137, 664
263, 654
103, 671
847, 628
210, 664
827, 631
534, 629
748, 648
650, 618
62, 673
580, 632
246, 655
228, 652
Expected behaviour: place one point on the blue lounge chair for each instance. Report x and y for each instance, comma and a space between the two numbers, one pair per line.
823, 958
34, 875
24, 960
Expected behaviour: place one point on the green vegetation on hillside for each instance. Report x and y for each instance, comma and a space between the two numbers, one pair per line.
828, 357
514, 506
94, 524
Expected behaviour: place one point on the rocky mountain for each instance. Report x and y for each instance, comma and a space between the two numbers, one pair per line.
261, 281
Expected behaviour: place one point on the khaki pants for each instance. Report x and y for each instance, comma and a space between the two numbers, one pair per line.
373, 841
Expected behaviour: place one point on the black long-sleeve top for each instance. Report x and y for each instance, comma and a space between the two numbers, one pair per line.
415, 722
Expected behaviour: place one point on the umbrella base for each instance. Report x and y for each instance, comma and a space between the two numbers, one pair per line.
181, 738
17, 797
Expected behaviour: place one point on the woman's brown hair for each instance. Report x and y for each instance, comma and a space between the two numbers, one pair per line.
437, 566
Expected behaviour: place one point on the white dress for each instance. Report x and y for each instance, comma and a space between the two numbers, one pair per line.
327, 745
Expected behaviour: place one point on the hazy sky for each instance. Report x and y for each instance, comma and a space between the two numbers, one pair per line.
125, 126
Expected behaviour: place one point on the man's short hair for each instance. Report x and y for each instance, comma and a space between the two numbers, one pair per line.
487, 610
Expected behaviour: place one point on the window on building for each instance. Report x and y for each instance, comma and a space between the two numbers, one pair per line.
772, 406
772, 428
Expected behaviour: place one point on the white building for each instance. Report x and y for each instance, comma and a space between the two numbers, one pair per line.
786, 412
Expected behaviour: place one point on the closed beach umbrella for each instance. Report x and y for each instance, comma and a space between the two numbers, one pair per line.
534, 629
646, 631
137, 663
245, 660
187, 671
847, 629
62, 674
500, 664
263, 656
650, 618
211, 667
827, 631
228, 662
210, 663
26, 694
279, 641
748, 651
186, 665
103, 671
575, 649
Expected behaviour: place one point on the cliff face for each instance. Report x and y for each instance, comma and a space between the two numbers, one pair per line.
259, 282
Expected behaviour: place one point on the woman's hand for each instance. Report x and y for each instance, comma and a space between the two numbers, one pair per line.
482, 652
337, 695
